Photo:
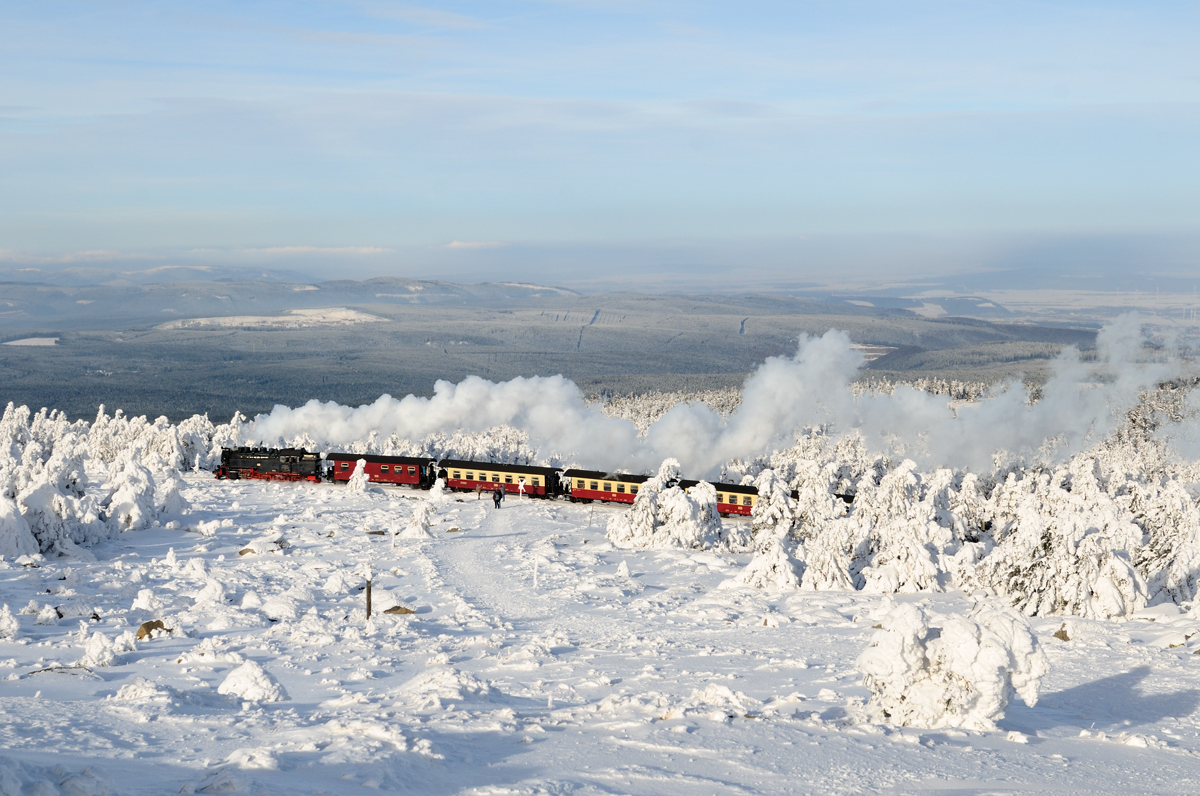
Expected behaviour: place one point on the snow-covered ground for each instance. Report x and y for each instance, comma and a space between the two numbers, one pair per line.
532, 663
292, 319
34, 341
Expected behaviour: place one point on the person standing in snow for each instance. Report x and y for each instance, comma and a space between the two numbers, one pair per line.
479, 492
497, 496
503, 492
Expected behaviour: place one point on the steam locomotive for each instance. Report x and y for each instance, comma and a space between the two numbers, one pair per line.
293, 464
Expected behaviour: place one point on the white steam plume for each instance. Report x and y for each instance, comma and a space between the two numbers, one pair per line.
1080, 403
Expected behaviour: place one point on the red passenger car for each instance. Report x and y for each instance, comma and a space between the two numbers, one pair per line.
409, 470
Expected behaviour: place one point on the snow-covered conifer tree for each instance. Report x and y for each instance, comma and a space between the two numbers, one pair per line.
664, 515
774, 513
359, 479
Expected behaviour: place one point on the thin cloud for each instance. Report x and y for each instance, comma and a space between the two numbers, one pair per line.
363, 250
89, 256
473, 244
416, 15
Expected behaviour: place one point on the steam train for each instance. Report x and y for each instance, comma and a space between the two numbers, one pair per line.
295, 464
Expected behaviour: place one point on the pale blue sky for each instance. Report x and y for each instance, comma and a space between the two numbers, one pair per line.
371, 136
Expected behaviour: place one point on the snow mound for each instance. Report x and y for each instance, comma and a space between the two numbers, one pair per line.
252, 683
142, 690
931, 670
433, 687
19, 777
272, 542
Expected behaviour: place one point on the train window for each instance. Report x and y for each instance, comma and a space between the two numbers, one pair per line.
633, 489
595, 485
470, 476
579, 484
345, 465
620, 489
533, 481
745, 500
508, 479
383, 468
412, 470
607, 487
457, 474
495, 478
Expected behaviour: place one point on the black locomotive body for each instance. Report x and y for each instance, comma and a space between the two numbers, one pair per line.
270, 464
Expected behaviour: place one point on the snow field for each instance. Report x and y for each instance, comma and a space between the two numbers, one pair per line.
622, 671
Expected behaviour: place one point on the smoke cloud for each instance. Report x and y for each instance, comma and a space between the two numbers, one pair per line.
1081, 403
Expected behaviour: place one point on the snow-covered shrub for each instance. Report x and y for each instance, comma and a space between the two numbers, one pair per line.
359, 479
771, 568
420, 521
1170, 516
8, 623
99, 652
252, 683
111, 437
147, 601
1063, 547
665, 515
905, 538
815, 502
15, 537
131, 495
195, 436
168, 499
57, 520
931, 670
835, 557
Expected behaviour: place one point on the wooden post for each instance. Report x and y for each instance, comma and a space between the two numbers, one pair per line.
368, 600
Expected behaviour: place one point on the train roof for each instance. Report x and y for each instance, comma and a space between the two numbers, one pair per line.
463, 464
721, 487
606, 476
376, 458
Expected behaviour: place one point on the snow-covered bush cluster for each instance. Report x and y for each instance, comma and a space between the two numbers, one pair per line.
1106, 532
645, 409
46, 505
665, 515
926, 669
953, 389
